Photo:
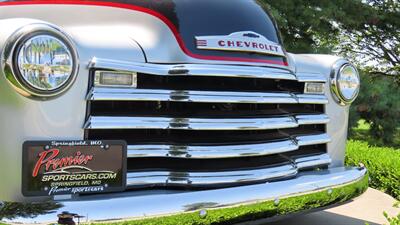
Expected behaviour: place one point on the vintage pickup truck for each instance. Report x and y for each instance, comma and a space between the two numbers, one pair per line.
166, 112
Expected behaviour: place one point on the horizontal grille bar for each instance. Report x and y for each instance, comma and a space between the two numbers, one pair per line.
125, 94
313, 139
201, 137
225, 151
239, 177
194, 69
95, 122
206, 70
313, 161
211, 178
312, 119
311, 77
199, 110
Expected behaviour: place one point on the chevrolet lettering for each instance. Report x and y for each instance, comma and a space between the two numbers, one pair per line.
240, 41
165, 112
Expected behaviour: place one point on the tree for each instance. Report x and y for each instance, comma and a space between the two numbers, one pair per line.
366, 31
375, 42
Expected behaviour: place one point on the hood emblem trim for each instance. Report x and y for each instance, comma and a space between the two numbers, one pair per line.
243, 41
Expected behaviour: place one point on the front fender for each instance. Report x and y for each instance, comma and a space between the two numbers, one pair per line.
337, 128
24, 119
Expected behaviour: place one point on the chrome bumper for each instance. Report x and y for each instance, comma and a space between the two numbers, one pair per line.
310, 190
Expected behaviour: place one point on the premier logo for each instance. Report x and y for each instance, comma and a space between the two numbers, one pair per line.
73, 167
48, 159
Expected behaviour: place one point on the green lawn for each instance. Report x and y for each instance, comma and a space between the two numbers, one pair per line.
362, 133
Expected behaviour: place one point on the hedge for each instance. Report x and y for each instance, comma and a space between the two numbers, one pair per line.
383, 164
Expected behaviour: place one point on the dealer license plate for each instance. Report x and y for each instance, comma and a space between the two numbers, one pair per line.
73, 167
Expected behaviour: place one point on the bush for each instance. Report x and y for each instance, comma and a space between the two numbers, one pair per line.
382, 163
378, 104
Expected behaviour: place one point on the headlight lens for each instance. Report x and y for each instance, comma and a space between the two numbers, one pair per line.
45, 62
41, 61
346, 84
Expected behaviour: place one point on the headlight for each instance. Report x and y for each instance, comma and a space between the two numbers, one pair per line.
45, 62
345, 83
41, 61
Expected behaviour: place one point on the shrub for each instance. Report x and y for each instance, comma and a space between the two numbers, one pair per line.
382, 163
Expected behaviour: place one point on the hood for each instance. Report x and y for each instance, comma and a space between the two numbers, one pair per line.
224, 30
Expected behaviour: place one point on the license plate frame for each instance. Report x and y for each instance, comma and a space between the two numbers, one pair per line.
52, 168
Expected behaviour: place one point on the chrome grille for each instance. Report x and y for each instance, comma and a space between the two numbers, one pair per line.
182, 132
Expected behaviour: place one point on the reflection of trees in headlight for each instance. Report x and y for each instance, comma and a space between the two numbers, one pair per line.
45, 62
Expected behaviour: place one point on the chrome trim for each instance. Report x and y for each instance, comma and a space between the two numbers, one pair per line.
203, 152
193, 69
97, 77
312, 99
103, 122
313, 139
336, 95
166, 178
344, 183
312, 119
189, 123
311, 77
225, 151
313, 161
12, 74
130, 94
160, 178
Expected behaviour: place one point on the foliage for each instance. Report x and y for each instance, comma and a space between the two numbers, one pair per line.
378, 104
370, 36
302, 22
383, 165
376, 40
392, 220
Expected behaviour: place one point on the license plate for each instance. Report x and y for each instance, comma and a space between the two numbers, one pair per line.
73, 167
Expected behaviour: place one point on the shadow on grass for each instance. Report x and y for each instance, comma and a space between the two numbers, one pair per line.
362, 133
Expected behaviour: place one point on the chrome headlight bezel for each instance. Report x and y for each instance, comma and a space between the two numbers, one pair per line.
337, 92
11, 54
